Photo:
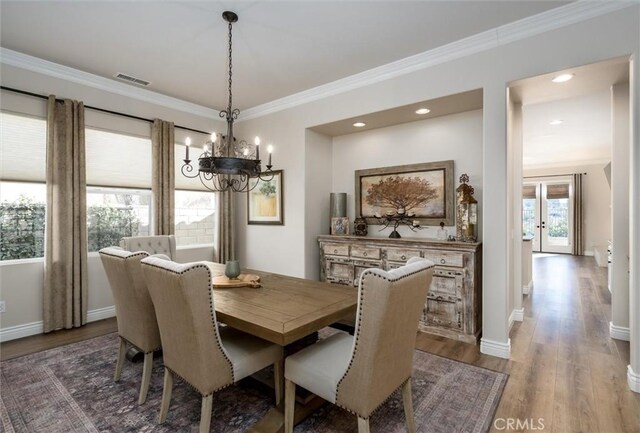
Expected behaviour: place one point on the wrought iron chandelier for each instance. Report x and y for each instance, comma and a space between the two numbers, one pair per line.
227, 164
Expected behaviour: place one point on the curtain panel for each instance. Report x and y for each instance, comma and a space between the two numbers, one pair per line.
163, 177
578, 235
65, 270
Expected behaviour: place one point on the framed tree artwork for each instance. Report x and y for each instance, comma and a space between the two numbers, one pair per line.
265, 200
423, 191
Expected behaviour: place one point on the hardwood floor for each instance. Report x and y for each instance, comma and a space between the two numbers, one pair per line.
566, 374
565, 371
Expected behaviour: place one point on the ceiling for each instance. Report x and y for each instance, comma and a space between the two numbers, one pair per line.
584, 106
280, 48
450, 104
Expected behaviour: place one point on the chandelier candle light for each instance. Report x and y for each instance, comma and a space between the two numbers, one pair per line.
231, 164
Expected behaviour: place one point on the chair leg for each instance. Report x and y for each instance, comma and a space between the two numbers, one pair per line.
166, 395
121, 353
205, 415
146, 377
289, 405
278, 379
408, 407
363, 425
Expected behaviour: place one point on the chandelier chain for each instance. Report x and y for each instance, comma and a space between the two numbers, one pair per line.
229, 109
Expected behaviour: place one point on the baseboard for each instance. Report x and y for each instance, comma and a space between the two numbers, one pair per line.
517, 315
633, 379
526, 289
619, 332
495, 348
35, 328
588, 253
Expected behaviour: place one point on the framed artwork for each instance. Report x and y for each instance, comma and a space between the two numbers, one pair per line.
423, 191
265, 201
340, 226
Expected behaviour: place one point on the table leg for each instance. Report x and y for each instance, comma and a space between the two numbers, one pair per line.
273, 421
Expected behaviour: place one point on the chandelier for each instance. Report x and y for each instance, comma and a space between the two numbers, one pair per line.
227, 164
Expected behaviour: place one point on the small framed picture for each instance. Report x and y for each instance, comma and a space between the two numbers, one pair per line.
340, 226
265, 200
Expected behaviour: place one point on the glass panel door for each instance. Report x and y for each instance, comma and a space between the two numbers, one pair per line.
547, 214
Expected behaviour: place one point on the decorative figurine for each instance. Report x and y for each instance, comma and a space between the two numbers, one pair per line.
466, 212
443, 234
400, 217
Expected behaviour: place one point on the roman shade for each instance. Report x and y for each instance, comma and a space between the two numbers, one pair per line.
557, 191
528, 191
23, 150
117, 160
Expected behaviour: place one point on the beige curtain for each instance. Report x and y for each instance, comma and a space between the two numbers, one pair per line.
163, 182
226, 228
65, 271
578, 236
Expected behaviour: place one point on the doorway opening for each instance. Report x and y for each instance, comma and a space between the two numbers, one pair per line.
547, 213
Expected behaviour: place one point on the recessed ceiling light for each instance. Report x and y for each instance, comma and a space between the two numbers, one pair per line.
556, 122
562, 78
423, 111
359, 124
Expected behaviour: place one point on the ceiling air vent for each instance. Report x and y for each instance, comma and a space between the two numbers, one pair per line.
132, 80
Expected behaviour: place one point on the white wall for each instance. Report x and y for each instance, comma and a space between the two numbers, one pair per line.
457, 137
596, 201
284, 248
620, 209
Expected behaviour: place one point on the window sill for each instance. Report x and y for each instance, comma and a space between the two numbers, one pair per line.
22, 261
194, 246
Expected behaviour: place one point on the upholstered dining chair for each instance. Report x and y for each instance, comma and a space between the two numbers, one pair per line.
165, 244
135, 314
359, 373
206, 356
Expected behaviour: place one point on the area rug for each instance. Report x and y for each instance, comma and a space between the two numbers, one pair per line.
71, 389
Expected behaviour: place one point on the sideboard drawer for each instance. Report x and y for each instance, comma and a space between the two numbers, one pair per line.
336, 249
361, 252
445, 258
401, 254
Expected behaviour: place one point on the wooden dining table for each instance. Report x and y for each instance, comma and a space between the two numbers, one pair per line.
283, 310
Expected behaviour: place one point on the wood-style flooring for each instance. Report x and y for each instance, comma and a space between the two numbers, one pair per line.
566, 374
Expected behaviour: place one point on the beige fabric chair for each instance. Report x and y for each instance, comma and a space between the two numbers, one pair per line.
134, 311
152, 244
204, 355
359, 373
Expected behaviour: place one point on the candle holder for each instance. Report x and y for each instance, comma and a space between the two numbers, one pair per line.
400, 217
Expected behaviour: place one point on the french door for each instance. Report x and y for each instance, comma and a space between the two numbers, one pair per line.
547, 214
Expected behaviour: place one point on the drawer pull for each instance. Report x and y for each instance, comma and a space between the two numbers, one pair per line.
335, 251
443, 261
364, 254
404, 257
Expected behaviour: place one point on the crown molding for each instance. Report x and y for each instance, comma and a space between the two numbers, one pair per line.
571, 13
45, 67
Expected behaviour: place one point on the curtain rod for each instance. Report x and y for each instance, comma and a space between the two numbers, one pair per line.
103, 110
551, 175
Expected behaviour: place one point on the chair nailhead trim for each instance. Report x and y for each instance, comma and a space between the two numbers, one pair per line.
211, 312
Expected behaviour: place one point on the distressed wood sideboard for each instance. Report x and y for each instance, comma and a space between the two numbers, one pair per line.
453, 307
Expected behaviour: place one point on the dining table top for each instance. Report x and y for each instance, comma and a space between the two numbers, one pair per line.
284, 309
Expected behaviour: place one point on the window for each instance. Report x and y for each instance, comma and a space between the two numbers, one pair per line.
118, 187
195, 205
195, 217
116, 213
22, 187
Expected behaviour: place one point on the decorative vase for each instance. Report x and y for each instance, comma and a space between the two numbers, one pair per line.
232, 269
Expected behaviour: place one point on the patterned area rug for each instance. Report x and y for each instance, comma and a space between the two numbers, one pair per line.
71, 389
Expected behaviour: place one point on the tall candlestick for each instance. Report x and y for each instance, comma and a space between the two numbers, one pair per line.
188, 143
270, 150
256, 141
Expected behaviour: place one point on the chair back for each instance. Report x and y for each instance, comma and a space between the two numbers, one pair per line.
152, 244
191, 344
389, 307
134, 311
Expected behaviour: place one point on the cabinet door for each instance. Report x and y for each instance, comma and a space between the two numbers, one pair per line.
442, 313
339, 271
359, 266
447, 284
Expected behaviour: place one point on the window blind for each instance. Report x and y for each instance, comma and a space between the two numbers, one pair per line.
117, 160
528, 191
557, 191
23, 148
